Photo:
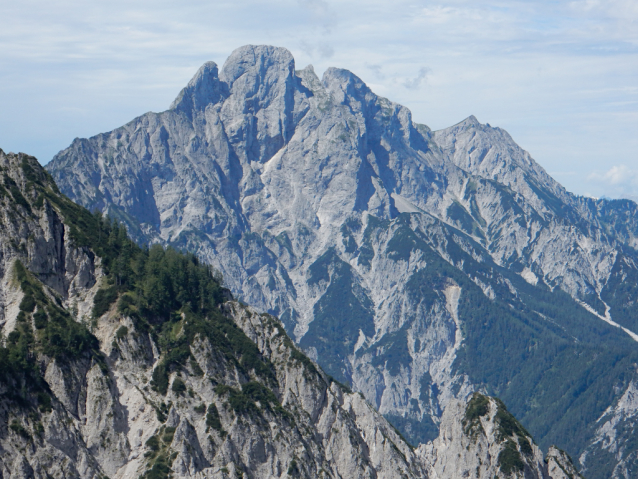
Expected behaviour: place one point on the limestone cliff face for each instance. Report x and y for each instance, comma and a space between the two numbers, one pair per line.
417, 266
37, 248
614, 433
481, 439
94, 388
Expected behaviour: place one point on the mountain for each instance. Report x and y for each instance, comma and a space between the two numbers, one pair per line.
120, 361
416, 266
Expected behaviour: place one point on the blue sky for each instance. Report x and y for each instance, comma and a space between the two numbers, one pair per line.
560, 76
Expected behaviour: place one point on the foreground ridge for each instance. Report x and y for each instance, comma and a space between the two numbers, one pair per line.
119, 361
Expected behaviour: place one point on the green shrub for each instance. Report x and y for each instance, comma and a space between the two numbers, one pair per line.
162, 412
169, 432
44, 401
160, 469
153, 443
159, 380
477, 407
212, 418
27, 304
103, 300
18, 428
293, 468
178, 386
40, 319
509, 459
197, 371
121, 332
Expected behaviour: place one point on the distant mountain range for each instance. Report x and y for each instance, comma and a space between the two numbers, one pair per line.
418, 266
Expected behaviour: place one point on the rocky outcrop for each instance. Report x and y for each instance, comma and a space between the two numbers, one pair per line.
560, 466
614, 434
481, 439
49, 425
369, 235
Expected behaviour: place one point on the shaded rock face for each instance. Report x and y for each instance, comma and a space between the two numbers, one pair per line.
614, 435
66, 437
417, 266
92, 407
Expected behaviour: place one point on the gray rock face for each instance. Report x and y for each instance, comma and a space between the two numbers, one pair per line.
615, 431
71, 439
481, 439
97, 414
559, 465
418, 266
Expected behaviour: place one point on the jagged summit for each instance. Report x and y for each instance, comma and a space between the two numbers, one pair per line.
203, 89
252, 70
243, 72
469, 121
345, 80
262, 61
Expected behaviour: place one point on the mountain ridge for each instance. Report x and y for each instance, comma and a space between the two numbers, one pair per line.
122, 361
308, 193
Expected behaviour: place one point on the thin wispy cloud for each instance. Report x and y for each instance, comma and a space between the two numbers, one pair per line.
616, 175
321, 12
320, 50
377, 70
619, 181
611, 18
416, 82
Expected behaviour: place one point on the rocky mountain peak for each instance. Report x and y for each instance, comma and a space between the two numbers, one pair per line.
156, 373
344, 84
348, 89
257, 61
20, 169
88, 389
259, 73
484, 424
491, 153
203, 89
469, 121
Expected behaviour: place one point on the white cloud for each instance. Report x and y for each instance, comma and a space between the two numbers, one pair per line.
416, 82
613, 18
319, 50
615, 175
619, 180
377, 70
